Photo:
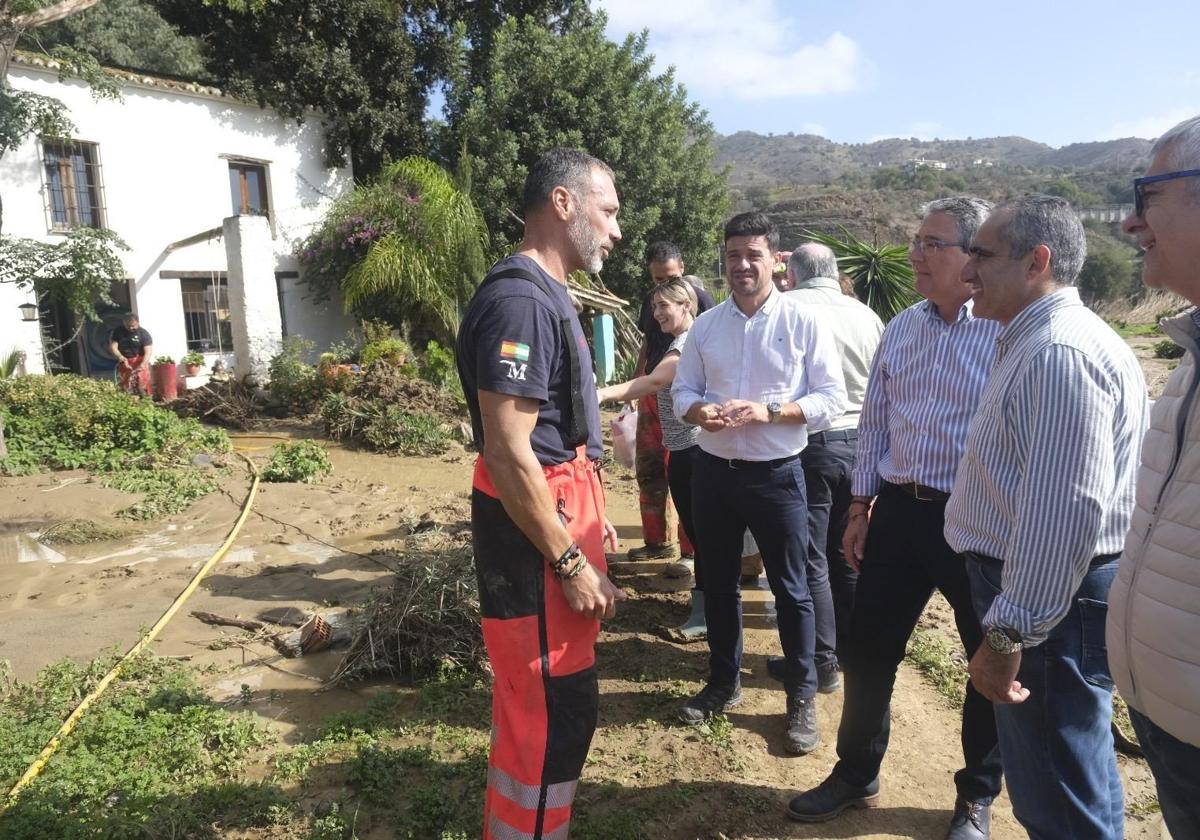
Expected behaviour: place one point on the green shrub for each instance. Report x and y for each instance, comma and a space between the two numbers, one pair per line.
193, 357
164, 360
392, 350
70, 422
1167, 349
302, 460
392, 430
294, 383
436, 365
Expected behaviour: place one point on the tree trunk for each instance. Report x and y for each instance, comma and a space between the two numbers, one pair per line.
3, 445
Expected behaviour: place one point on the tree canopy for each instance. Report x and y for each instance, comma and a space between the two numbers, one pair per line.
570, 86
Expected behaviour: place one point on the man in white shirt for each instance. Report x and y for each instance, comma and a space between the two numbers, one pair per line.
755, 373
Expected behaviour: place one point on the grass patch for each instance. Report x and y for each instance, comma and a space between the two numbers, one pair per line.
935, 660
81, 532
164, 491
153, 757
1134, 330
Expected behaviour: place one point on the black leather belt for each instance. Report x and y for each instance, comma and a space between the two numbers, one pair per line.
920, 491
837, 434
735, 464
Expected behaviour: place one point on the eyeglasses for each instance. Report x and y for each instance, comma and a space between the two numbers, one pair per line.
1139, 186
925, 246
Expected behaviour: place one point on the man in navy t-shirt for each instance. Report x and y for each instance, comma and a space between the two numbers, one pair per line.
132, 346
537, 508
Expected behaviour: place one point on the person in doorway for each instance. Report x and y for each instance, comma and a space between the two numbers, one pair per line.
133, 348
537, 507
673, 302
664, 261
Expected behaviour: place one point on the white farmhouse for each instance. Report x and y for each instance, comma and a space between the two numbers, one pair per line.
211, 194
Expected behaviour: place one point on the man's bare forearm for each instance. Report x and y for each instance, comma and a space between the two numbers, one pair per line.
525, 495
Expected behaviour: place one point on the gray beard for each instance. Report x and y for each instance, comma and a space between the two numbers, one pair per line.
586, 244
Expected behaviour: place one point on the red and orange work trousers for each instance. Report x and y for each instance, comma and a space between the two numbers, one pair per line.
544, 695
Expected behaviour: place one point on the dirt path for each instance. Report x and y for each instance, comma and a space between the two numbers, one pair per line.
304, 551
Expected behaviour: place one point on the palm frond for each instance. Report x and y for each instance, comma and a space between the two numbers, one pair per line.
882, 274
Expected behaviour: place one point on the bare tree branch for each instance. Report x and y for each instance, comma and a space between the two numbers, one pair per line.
60, 10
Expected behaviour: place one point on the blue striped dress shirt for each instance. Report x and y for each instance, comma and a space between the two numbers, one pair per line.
924, 385
1047, 479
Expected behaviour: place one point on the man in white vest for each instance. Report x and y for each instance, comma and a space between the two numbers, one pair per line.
1153, 631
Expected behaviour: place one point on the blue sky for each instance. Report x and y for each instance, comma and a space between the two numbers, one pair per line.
857, 70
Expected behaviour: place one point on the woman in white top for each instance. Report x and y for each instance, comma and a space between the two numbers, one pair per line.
674, 304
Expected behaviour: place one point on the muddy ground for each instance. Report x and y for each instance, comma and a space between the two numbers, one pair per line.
306, 548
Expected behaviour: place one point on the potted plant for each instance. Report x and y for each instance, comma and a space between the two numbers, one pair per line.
193, 361
166, 385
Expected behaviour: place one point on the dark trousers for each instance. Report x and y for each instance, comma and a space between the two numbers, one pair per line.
1176, 768
768, 499
905, 559
680, 465
827, 462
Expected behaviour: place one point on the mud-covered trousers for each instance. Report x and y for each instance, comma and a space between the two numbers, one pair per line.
650, 468
544, 695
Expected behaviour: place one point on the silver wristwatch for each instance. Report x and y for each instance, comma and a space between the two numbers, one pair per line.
1002, 640
773, 411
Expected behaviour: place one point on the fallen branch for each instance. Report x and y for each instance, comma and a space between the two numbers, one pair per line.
213, 618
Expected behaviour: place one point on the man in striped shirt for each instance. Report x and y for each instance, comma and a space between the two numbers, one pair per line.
924, 385
1040, 506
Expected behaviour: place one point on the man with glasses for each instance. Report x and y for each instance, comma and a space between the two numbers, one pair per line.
924, 385
1154, 615
1040, 508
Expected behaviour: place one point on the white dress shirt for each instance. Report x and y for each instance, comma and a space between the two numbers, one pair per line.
856, 330
780, 354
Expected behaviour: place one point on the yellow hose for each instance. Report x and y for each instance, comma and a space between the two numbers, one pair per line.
69, 724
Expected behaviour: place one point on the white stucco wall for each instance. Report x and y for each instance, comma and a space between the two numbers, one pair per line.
164, 180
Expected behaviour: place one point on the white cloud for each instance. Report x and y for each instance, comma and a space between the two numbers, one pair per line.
750, 51
1149, 127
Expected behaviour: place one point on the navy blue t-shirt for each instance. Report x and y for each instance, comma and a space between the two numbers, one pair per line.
510, 342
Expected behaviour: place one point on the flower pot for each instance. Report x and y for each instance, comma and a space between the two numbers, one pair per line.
193, 370
166, 381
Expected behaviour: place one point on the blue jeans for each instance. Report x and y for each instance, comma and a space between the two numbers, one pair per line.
1176, 768
1057, 746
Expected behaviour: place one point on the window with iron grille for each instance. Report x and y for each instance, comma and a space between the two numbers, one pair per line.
72, 184
248, 188
206, 314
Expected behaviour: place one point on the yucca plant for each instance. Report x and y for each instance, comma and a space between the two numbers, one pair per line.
882, 274
9, 363
411, 242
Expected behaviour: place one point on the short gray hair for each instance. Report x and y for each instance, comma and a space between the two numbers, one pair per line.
1181, 145
969, 214
812, 259
1046, 220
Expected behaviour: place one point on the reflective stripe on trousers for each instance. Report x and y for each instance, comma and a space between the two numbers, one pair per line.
544, 696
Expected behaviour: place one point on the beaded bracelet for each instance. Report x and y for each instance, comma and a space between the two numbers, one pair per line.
564, 560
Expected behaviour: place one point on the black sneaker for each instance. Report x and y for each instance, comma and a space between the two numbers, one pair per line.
652, 551
712, 699
830, 798
828, 679
801, 737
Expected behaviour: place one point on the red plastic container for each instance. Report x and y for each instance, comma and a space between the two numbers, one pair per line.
166, 381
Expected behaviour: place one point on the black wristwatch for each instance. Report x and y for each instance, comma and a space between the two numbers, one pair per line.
1003, 640
773, 411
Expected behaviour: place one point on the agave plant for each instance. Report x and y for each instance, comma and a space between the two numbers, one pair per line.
882, 274
411, 242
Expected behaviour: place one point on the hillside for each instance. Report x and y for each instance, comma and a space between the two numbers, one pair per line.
799, 159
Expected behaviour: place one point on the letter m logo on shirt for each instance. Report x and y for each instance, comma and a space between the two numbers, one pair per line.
514, 355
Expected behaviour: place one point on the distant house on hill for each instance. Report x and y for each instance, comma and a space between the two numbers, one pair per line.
212, 194
922, 163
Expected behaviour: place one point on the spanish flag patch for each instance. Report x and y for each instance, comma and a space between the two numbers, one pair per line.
514, 350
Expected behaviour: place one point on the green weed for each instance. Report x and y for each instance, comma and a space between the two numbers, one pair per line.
301, 460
